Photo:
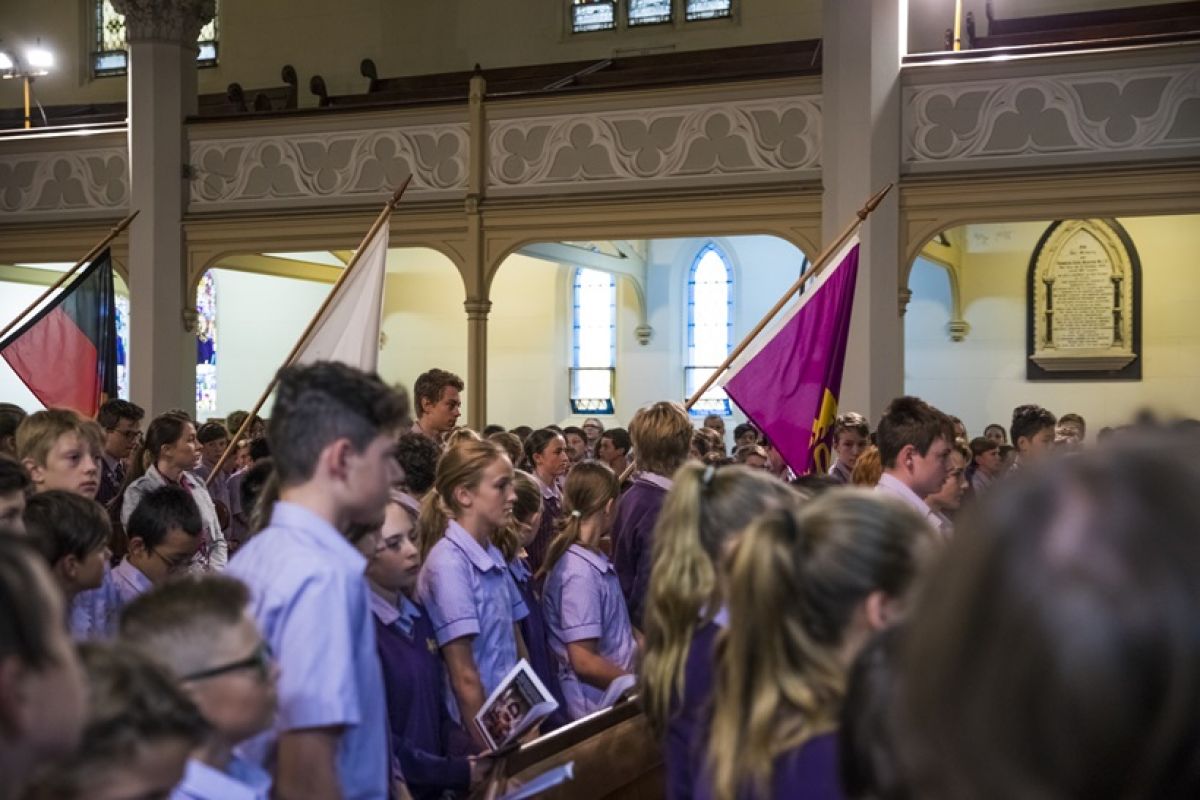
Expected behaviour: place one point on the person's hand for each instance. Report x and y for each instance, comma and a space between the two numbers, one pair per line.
481, 769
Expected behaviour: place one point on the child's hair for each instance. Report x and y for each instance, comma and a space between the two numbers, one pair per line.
1075, 419
1029, 421
535, 443
1053, 651
10, 419
132, 702
459, 466
317, 404
997, 427
511, 444
910, 420
259, 449
13, 477
743, 453
177, 622
662, 435
64, 523
211, 432
268, 496
38, 432
574, 429
590, 486
161, 511
254, 481
417, 455
430, 385
460, 435
981, 444
867, 736
703, 510
619, 438
490, 429
796, 581
868, 469
522, 432
527, 503
851, 421
163, 430
743, 429
112, 412
28, 616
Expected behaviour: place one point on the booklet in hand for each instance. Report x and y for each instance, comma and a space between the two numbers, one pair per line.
519, 703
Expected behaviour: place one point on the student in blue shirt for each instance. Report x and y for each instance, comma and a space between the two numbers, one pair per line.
586, 616
430, 746
464, 583
332, 440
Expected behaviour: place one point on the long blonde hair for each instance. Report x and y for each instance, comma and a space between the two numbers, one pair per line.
797, 580
527, 503
461, 465
590, 487
705, 507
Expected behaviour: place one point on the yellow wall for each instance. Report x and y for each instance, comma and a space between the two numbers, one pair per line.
404, 38
982, 378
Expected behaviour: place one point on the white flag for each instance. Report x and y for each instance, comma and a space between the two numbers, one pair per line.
348, 330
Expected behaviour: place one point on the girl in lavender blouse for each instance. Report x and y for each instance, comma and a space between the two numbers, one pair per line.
547, 460
807, 589
702, 516
586, 617
464, 583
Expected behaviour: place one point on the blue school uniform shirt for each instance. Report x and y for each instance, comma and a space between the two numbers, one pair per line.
240, 780
467, 591
421, 727
309, 599
533, 631
582, 600
95, 613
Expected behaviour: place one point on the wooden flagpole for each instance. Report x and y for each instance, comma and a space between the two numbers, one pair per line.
380, 221
814, 269
66, 276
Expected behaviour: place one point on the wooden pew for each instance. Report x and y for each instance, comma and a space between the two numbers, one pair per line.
237, 100
615, 754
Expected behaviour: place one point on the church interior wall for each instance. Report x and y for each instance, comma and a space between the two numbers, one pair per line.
982, 378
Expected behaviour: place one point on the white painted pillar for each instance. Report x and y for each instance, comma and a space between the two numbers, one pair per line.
861, 154
162, 93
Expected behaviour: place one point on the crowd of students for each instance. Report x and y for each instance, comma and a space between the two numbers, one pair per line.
324, 613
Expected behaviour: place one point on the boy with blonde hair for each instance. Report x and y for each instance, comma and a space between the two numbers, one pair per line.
199, 628
61, 450
662, 436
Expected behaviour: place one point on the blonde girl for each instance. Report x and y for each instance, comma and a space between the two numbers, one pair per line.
807, 589
586, 618
464, 583
703, 513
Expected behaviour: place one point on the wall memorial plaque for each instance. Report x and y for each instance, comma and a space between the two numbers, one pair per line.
1084, 303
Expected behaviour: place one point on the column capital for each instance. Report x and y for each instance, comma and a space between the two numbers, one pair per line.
478, 310
176, 21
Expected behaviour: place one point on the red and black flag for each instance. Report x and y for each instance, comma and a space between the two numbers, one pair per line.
67, 352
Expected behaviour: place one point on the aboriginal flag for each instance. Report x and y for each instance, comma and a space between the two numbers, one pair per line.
67, 352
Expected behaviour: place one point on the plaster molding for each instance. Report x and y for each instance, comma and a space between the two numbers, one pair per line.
64, 183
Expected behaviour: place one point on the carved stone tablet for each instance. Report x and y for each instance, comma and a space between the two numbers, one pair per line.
1084, 297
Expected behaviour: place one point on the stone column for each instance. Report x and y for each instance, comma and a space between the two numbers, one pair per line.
162, 93
861, 154
477, 314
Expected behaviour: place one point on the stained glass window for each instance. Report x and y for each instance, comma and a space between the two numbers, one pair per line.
110, 56
708, 9
206, 346
709, 327
649, 12
594, 342
593, 15
122, 346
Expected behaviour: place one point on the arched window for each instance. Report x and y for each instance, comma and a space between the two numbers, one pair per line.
709, 326
593, 342
122, 346
206, 346
109, 56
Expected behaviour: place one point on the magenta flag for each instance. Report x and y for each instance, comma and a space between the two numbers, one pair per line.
788, 381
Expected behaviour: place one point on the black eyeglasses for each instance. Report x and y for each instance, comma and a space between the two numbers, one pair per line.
261, 660
173, 566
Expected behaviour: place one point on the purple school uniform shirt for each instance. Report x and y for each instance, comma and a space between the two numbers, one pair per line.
533, 631
547, 528
687, 727
467, 591
420, 724
310, 601
808, 772
582, 600
633, 538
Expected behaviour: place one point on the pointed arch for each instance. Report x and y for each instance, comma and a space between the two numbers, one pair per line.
710, 316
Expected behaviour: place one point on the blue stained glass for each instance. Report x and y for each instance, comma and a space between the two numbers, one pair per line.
206, 346
122, 346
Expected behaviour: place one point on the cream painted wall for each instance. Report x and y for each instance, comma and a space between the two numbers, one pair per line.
982, 378
412, 38
529, 331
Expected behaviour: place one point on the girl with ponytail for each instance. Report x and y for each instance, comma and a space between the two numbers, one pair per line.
464, 583
702, 515
807, 589
586, 617
547, 460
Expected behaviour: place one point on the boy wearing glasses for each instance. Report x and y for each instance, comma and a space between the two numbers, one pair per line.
121, 422
198, 627
164, 534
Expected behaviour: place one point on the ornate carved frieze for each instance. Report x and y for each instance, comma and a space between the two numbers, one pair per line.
1140, 113
165, 20
275, 170
63, 182
752, 139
